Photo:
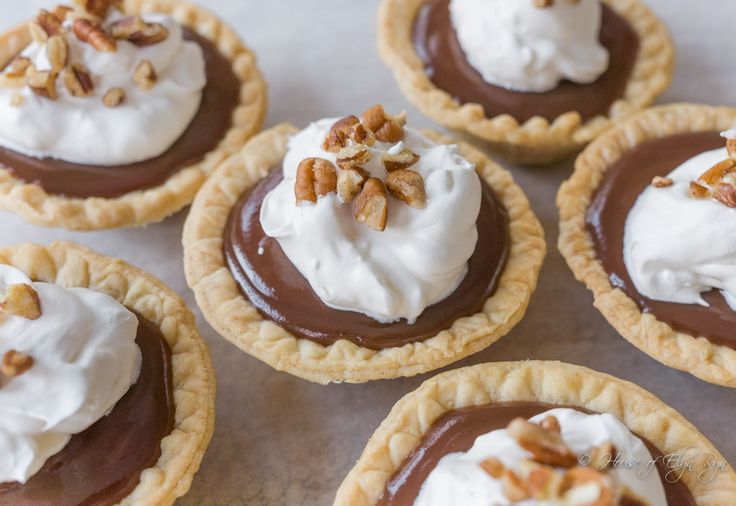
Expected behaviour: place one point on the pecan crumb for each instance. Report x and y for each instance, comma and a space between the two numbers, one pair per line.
57, 52
145, 75
725, 193
661, 182
493, 467
15, 363
371, 205
22, 300
698, 191
546, 446
386, 128
551, 423
337, 137
43, 83
513, 488
78, 81
401, 160
349, 183
137, 31
114, 97
99, 8
353, 156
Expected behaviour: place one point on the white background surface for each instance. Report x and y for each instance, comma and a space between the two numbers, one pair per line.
280, 440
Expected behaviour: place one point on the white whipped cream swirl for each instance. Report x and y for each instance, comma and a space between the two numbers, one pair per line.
82, 130
677, 247
418, 260
84, 360
518, 46
458, 479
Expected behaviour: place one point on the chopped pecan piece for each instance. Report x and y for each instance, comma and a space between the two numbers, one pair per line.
513, 488
731, 148
602, 457
78, 81
551, 423
353, 156
386, 128
546, 446
9, 80
401, 160
371, 205
543, 482
359, 134
45, 25
407, 185
114, 97
337, 137
21, 300
584, 476
15, 77
661, 182
57, 52
94, 34
137, 31
716, 173
315, 177
543, 3
725, 193
145, 75
62, 12
349, 183
698, 191
42, 84
15, 363
493, 467
19, 65
99, 8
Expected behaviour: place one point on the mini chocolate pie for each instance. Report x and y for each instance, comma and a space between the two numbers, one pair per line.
419, 42
252, 291
448, 412
53, 187
610, 175
147, 449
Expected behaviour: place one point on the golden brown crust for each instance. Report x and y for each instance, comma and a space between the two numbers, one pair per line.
537, 141
71, 265
230, 314
532, 381
693, 354
151, 205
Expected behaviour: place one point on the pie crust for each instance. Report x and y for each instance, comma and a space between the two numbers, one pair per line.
537, 141
70, 265
149, 205
693, 354
531, 381
237, 321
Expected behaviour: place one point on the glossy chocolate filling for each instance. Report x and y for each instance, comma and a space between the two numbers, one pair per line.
220, 97
446, 65
457, 430
606, 220
103, 464
271, 283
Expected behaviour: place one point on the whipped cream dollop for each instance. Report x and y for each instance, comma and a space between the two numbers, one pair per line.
82, 130
84, 360
677, 247
458, 478
419, 259
521, 47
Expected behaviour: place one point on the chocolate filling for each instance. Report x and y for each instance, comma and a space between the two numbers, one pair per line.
220, 97
606, 220
457, 430
446, 65
103, 464
271, 283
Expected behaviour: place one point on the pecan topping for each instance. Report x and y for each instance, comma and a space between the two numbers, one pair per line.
15, 77
731, 148
315, 177
718, 172
386, 128
546, 446
145, 75
21, 300
10, 80
359, 134
94, 34
698, 191
62, 12
719, 181
137, 31
337, 137
99, 8
602, 457
401, 160
78, 81
349, 183
407, 185
661, 182
45, 25
725, 193
353, 156
15, 363
42, 84
551, 423
57, 52
513, 488
493, 467
371, 205
582, 476
114, 97
19, 65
